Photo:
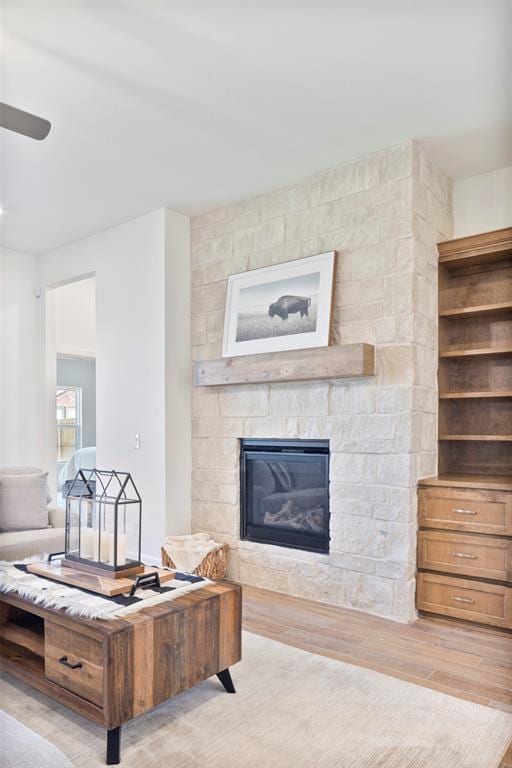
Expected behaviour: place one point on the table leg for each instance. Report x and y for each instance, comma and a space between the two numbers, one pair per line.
114, 746
225, 678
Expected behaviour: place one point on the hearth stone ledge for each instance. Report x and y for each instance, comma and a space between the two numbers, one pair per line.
335, 578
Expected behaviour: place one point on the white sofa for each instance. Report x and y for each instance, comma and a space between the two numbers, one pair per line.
17, 545
28, 526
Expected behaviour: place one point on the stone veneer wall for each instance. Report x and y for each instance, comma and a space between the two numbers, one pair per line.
384, 214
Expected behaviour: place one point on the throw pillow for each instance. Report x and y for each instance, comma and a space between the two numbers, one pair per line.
26, 471
23, 502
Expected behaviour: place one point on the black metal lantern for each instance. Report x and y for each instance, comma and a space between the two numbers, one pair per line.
103, 523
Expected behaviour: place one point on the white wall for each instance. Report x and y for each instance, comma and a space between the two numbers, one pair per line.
178, 364
129, 262
75, 318
482, 203
20, 360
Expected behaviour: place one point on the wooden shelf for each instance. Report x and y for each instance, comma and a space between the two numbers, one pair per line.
487, 393
459, 480
349, 361
23, 636
506, 349
481, 310
479, 438
477, 250
21, 660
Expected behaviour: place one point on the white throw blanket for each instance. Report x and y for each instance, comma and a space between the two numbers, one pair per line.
188, 552
51, 594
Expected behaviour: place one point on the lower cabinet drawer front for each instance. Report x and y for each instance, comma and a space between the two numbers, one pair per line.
465, 599
75, 662
482, 556
460, 510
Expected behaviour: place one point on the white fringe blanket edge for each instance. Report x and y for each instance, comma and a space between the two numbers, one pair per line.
75, 602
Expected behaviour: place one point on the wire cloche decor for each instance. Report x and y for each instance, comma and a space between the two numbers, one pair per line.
103, 522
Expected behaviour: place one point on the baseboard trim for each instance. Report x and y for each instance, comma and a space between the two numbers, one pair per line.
150, 560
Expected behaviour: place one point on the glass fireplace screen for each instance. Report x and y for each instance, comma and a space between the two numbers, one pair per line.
285, 493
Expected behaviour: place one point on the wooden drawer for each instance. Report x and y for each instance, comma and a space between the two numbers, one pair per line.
468, 555
465, 599
460, 510
74, 661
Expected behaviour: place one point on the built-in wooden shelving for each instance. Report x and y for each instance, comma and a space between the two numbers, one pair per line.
495, 393
501, 308
465, 511
475, 354
497, 351
469, 480
336, 362
476, 438
476, 250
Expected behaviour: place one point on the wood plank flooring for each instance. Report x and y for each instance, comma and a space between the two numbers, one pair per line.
462, 660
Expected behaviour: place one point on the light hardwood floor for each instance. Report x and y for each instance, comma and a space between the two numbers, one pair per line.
462, 660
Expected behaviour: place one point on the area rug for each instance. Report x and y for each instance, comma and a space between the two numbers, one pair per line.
22, 748
292, 709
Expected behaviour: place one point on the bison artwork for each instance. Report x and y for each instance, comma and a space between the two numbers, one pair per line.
290, 305
284, 299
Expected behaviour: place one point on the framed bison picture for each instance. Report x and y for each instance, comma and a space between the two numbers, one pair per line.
286, 306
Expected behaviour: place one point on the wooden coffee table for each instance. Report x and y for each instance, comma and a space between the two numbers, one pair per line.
112, 671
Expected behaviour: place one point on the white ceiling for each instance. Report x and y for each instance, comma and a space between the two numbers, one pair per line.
191, 105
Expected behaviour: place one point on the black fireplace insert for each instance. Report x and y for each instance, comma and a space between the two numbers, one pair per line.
284, 493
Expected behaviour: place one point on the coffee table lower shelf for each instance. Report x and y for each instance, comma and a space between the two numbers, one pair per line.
112, 671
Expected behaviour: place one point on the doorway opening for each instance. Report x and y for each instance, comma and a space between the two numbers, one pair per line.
75, 393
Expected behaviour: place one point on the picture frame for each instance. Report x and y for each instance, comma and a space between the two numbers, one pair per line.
281, 307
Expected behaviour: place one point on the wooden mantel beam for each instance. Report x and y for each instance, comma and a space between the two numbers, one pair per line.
348, 361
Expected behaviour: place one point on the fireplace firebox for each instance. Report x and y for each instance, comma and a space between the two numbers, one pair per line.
284, 493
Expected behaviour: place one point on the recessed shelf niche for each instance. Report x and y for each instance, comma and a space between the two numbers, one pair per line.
475, 355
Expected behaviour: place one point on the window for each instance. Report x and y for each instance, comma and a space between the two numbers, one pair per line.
69, 422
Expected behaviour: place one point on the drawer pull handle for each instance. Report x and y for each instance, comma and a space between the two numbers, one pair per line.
463, 599
464, 555
64, 660
464, 511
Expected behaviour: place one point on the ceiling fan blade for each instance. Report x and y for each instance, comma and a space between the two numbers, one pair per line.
23, 122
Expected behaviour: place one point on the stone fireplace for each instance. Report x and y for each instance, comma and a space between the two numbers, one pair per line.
284, 493
383, 214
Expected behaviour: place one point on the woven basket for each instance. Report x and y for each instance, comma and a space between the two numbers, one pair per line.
213, 566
